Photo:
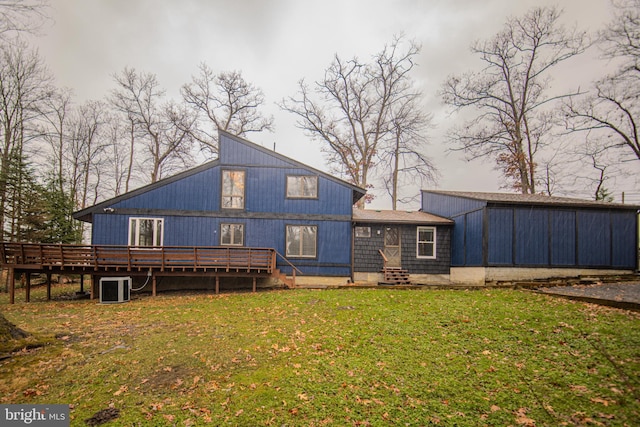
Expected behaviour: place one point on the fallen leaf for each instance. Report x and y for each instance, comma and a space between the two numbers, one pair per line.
605, 402
523, 419
121, 390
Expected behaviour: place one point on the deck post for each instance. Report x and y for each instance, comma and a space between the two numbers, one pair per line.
154, 284
27, 287
93, 286
217, 285
254, 283
12, 285
48, 286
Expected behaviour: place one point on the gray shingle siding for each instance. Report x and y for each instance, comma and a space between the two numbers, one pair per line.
368, 259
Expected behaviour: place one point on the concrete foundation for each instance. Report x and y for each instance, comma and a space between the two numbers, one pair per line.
417, 279
305, 281
481, 276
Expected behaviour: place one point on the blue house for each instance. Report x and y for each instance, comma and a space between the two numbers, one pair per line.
254, 213
249, 197
505, 237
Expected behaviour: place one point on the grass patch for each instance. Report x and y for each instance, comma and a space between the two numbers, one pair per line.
342, 357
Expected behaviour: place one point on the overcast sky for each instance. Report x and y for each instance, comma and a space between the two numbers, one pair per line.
276, 43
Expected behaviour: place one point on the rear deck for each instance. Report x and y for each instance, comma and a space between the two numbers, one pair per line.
97, 260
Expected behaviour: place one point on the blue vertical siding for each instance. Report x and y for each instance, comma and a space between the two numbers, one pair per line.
190, 204
449, 206
458, 241
467, 236
500, 236
266, 192
333, 240
199, 191
624, 237
191, 231
109, 229
538, 234
531, 236
473, 239
235, 151
594, 238
563, 237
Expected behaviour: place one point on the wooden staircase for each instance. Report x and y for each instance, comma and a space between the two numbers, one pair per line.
289, 281
395, 276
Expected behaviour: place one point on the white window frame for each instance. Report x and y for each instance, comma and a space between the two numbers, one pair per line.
134, 231
433, 242
363, 232
298, 253
232, 234
232, 198
296, 182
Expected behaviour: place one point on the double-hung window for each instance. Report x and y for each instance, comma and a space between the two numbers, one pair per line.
302, 187
233, 189
301, 241
232, 234
146, 231
426, 242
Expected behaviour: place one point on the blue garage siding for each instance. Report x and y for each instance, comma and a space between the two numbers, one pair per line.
623, 238
563, 238
458, 241
594, 238
500, 236
559, 232
449, 206
531, 237
473, 238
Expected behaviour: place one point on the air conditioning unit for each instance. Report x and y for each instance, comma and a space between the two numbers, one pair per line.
115, 289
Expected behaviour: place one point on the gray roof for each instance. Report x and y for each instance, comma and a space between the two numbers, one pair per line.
398, 217
532, 199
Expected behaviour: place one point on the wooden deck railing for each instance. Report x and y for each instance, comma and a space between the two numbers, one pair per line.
38, 256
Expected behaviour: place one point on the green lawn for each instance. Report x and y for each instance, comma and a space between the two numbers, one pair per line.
332, 357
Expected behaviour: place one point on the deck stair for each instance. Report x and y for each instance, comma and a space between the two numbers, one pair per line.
396, 276
289, 281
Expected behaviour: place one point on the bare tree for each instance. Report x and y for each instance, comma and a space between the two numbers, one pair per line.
224, 101
22, 16
141, 99
510, 95
613, 108
55, 118
402, 158
24, 84
118, 157
16, 16
85, 154
351, 109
